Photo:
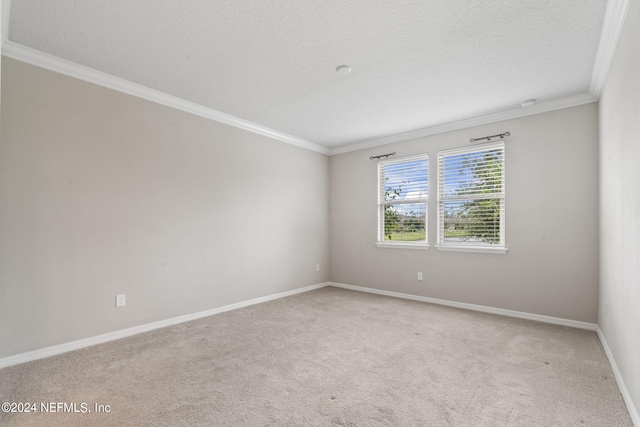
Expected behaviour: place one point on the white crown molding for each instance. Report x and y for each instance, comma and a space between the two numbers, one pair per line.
614, 20
111, 336
626, 396
611, 29
542, 107
474, 307
62, 66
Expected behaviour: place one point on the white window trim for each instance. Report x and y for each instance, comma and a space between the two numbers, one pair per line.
403, 245
477, 249
491, 249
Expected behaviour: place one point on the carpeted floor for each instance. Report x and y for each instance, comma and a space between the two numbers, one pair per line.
330, 357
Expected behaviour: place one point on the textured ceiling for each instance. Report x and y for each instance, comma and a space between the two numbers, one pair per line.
416, 64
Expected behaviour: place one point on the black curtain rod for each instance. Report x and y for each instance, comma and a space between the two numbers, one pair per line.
472, 140
382, 155
488, 138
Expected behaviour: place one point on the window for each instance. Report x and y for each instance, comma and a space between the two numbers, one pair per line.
402, 202
471, 199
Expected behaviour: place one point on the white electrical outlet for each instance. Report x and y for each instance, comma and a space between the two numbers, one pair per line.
606, 309
120, 300
317, 267
419, 275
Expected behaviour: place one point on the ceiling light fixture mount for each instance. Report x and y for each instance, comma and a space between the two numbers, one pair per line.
343, 69
528, 103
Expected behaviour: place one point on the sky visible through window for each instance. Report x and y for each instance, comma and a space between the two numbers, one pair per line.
467, 170
406, 181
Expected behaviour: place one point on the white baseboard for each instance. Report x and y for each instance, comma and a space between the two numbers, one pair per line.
633, 411
474, 307
111, 336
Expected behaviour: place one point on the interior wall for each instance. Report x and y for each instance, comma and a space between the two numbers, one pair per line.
103, 193
551, 267
619, 317
2, 31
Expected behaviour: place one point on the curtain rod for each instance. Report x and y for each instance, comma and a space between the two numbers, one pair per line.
382, 155
488, 138
472, 140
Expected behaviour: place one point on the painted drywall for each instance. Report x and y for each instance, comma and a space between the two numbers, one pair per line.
551, 267
2, 34
619, 314
104, 193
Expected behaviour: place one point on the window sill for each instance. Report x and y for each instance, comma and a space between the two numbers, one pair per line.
478, 249
421, 246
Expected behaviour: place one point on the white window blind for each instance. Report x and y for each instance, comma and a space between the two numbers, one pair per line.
402, 200
471, 205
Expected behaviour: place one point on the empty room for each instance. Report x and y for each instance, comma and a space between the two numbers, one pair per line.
316, 213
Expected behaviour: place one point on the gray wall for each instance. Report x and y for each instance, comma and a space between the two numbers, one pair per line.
104, 193
551, 267
619, 320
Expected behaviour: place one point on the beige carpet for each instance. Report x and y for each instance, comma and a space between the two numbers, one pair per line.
331, 357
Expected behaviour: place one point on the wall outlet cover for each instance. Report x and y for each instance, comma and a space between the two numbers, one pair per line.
120, 300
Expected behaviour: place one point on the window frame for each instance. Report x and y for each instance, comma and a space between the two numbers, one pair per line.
441, 245
381, 243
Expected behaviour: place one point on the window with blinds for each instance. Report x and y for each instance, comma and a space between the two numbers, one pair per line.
471, 197
402, 200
